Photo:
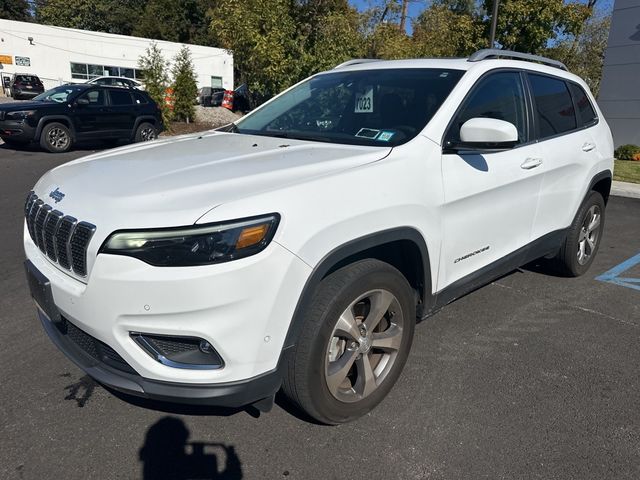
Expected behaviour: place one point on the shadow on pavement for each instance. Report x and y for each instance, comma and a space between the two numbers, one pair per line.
167, 454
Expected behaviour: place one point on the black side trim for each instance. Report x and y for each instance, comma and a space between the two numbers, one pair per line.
544, 245
352, 248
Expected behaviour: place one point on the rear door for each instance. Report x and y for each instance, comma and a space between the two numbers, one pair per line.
490, 199
567, 149
122, 111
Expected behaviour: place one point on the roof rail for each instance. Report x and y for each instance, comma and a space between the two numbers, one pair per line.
356, 61
497, 53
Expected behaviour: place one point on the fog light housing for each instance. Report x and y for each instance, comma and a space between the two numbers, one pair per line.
179, 352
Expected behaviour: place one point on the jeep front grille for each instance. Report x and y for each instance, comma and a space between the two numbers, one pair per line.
60, 237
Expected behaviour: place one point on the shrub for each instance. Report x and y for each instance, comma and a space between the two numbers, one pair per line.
627, 152
636, 157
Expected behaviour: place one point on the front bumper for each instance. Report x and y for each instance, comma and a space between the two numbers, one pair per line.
231, 394
243, 308
17, 130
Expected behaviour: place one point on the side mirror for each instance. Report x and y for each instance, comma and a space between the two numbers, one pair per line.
485, 134
82, 101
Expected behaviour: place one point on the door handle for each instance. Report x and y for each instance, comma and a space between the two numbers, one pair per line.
530, 163
587, 147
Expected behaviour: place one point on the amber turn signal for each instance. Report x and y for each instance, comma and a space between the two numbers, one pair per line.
252, 235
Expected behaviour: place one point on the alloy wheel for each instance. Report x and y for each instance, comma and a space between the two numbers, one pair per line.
364, 345
148, 134
589, 234
58, 138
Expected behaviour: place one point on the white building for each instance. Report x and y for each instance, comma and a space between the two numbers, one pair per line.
60, 55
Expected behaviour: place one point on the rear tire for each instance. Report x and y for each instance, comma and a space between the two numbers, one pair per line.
356, 336
583, 239
55, 138
146, 132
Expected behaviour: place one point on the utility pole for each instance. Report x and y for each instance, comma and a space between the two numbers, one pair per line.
403, 15
494, 23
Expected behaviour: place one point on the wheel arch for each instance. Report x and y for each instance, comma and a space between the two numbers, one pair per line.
601, 183
145, 119
404, 248
66, 121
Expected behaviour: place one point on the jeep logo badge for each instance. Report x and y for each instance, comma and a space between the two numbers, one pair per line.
57, 195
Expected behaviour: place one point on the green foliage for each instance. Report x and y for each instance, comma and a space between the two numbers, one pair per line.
111, 16
183, 21
432, 32
15, 10
185, 88
156, 79
528, 25
261, 35
626, 152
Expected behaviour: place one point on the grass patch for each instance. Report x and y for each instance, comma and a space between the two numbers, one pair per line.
626, 171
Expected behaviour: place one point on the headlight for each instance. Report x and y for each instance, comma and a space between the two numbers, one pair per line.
20, 115
195, 245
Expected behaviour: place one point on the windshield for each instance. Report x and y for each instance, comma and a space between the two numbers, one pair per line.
385, 107
27, 78
59, 94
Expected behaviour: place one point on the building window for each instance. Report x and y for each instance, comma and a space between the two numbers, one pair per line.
216, 82
82, 71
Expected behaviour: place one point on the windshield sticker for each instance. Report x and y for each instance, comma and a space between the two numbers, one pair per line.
364, 101
385, 136
368, 133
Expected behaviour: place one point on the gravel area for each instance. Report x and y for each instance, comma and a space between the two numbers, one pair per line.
8, 100
215, 116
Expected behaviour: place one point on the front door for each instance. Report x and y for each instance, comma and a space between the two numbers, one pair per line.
490, 199
90, 119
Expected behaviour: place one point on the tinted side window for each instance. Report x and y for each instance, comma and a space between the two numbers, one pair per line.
140, 98
120, 97
499, 95
95, 97
586, 113
553, 106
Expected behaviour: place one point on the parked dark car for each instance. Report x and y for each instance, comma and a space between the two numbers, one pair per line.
25, 85
210, 96
64, 115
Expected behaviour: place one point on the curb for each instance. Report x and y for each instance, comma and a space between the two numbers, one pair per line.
625, 189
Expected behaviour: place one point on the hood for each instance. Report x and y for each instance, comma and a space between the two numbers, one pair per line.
175, 181
14, 106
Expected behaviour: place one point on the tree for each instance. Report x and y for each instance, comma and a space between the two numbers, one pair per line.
110, 16
183, 21
529, 25
442, 31
15, 10
261, 36
156, 80
185, 88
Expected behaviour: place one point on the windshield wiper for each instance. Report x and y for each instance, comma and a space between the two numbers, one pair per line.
296, 136
230, 127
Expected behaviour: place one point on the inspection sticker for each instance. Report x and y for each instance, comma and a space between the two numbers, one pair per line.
371, 133
364, 101
385, 136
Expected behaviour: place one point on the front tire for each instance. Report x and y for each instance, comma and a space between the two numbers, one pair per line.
146, 132
356, 336
583, 239
55, 138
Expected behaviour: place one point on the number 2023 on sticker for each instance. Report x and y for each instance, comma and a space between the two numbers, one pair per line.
364, 101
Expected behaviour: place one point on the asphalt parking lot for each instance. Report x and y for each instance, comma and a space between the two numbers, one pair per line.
533, 376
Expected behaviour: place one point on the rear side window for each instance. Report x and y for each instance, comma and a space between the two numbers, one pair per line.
586, 113
140, 98
120, 97
553, 106
498, 95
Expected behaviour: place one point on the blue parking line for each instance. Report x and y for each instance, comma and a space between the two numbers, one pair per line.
613, 275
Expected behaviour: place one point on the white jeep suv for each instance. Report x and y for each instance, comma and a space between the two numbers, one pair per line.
298, 247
